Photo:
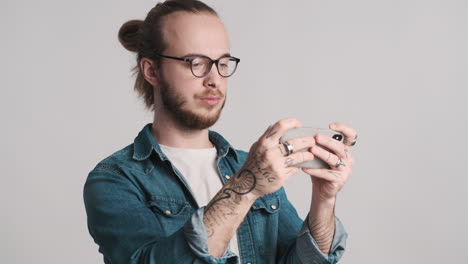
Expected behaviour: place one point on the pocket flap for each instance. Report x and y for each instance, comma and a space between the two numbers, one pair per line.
168, 206
270, 203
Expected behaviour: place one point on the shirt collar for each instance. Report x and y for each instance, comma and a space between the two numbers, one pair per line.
145, 143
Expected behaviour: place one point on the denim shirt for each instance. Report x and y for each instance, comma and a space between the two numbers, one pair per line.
140, 210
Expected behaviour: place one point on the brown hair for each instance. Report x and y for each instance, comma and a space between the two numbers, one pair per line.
145, 37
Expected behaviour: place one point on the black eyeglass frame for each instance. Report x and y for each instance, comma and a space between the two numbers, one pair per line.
191, 58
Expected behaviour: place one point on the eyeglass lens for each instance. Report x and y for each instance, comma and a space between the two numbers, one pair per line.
202, 65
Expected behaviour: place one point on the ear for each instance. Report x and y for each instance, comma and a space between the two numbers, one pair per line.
148, 68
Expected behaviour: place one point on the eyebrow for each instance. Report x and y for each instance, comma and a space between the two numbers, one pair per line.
198, 54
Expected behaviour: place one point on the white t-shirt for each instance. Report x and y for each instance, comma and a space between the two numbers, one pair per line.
200, 171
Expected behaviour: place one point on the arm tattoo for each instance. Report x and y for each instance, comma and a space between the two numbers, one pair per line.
242, 184
323, 235
221, 206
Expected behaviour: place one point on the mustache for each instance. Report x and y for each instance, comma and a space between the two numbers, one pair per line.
216, 93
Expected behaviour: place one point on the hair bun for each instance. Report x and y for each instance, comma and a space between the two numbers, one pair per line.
128, 34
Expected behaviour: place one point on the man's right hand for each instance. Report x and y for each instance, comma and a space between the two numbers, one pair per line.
265, 171
268, 166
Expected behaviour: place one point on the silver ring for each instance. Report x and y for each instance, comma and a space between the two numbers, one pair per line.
350, 143
289, 148
339, 163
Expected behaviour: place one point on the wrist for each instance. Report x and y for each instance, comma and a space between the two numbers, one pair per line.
322, 208
324, 201
251, 197
246, 195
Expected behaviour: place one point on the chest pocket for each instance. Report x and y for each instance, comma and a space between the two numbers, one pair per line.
265, 215
170, 213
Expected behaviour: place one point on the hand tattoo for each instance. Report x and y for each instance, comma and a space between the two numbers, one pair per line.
334, 173
289, 161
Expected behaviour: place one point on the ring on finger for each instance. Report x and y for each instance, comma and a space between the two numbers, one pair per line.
289, 148
339, 163
350, 143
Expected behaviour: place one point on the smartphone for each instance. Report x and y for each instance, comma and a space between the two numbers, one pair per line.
316, 163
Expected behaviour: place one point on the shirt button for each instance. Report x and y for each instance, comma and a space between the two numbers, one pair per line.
227, 176
273, 207
168, 212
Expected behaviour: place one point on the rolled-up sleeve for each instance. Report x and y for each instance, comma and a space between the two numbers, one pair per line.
309, 252
295, 242
127, 231
197, 239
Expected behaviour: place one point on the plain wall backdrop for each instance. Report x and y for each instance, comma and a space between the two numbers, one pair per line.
394, 70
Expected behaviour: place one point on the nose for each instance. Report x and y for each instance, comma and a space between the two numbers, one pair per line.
212, 79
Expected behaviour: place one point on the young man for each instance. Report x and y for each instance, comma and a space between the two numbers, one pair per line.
181, 193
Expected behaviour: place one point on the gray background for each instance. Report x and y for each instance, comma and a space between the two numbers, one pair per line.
395, 70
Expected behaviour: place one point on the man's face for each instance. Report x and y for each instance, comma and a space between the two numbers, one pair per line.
186, 98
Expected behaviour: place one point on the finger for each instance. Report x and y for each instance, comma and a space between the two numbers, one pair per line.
297, 158
348, 132
291, 171
267, 131
328, 157
349, 157
280, 127
299, 144
337, 147
329, 175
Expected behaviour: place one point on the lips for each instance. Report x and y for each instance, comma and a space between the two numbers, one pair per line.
211, 100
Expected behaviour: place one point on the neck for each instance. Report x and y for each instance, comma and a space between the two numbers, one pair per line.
169, 133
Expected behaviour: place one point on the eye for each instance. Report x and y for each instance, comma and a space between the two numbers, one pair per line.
198, 62
224, 63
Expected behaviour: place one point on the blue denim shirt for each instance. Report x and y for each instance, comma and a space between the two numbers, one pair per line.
140, 210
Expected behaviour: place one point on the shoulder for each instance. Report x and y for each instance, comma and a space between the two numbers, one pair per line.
121, 162
114, 161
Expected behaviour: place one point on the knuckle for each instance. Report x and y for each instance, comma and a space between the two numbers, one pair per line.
307, 156
282, 123
261, 143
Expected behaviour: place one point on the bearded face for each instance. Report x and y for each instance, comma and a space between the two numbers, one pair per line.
191, 115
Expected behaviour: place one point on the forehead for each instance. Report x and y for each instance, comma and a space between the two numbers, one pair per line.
200, 33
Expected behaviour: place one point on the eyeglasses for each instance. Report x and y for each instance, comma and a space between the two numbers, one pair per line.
201, 65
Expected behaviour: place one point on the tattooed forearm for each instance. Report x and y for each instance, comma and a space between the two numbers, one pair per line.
323, 235
226, 202
243, 183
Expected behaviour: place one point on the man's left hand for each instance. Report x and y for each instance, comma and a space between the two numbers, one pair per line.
328, 182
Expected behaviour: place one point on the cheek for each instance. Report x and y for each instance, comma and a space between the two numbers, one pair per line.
183, 82
177, 73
